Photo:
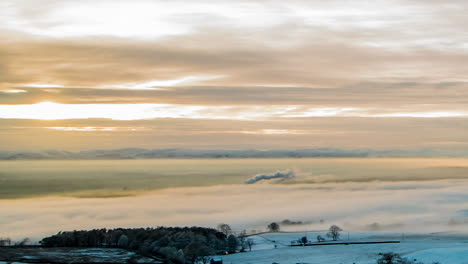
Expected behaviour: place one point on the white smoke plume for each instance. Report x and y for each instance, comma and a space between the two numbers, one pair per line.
286, 175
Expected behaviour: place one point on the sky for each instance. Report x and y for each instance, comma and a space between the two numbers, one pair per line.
262, 74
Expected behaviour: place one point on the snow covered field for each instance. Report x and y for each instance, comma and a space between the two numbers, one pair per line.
443, 247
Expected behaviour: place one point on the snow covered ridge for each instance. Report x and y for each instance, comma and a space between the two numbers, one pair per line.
72, 255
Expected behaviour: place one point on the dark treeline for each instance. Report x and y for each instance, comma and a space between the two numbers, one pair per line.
172, 244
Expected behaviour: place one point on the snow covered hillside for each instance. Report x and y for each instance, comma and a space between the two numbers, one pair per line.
427, 248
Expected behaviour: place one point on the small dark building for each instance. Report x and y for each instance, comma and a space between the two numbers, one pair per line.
216, 260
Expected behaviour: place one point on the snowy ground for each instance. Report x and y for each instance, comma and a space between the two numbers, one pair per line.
429, 248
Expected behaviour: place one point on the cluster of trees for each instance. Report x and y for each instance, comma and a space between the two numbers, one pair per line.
173, 244
8, 242
5, 242
242, 241
290, 222
273, 227
334, 232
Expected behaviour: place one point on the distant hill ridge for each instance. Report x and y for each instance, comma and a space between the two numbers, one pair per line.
139, 153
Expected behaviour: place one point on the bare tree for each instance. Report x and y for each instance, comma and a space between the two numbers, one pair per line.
24, 242
242, 240
320, 238
250, 243
334, 232
225, 228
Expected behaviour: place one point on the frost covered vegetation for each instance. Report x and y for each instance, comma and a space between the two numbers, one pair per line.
393, 258
172, 244
40, 255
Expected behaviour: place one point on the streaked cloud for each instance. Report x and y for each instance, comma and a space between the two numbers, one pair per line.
94, 129
326, 112
424, 114
42, 85
274, 132
299, 43
153, 85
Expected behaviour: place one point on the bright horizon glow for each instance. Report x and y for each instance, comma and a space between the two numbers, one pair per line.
83, 129
56, 111
13, 91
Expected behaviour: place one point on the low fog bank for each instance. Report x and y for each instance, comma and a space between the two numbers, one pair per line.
431, 206
139, 153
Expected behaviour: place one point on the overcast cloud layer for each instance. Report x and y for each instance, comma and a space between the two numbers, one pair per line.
221, 73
